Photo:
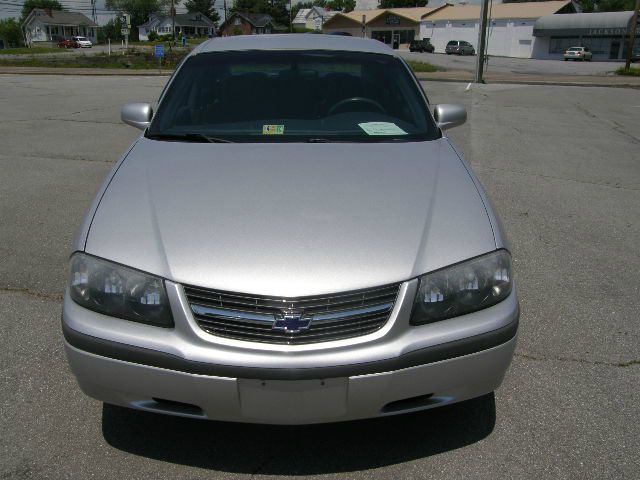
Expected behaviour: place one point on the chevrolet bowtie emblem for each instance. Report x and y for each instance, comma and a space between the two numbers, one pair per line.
292, 321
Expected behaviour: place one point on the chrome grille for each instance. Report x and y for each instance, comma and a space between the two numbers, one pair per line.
292, 321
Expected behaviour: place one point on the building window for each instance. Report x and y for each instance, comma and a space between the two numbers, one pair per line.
560, 44
236, 21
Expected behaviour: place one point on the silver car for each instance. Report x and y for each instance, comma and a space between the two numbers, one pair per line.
459, 47
578, 53
291, 240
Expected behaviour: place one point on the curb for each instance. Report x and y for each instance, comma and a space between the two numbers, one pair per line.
545, 80
445, 76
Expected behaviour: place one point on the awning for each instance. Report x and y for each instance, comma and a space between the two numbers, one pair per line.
583, 24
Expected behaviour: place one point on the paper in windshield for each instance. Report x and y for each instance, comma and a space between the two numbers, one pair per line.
381, 128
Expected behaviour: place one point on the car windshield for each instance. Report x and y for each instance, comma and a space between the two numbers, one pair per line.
293, 96
575, 49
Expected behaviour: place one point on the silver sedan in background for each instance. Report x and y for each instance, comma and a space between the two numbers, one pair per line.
291, 240
578, 53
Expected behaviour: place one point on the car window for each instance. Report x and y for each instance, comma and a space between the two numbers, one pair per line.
280, 96
452, 43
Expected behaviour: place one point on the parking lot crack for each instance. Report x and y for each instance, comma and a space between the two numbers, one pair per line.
533, 174
527, 356
615, 126
32, 293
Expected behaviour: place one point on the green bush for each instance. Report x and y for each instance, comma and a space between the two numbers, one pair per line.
153, 36
422, 67
10, 32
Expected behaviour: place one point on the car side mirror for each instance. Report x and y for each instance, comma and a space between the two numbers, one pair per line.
137, 114
449, 115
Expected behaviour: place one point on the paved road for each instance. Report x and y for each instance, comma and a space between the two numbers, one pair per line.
516, 65
562, 165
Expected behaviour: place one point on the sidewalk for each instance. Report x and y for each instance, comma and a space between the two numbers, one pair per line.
444, 76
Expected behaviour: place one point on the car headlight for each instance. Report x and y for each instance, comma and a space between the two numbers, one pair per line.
118, 291
463, 288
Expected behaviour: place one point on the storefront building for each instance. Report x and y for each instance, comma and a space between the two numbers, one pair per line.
393, 26
606, 34
510, 25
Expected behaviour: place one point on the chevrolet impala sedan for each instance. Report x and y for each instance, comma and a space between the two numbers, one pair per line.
292, 239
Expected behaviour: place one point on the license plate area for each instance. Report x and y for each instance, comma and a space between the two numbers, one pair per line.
293, 400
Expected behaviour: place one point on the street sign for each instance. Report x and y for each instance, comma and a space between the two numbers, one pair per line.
124, 31
160, 50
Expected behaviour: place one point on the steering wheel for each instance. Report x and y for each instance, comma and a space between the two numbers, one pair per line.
345, 101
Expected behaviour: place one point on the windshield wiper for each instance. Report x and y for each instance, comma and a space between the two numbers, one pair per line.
188, 137
325, 140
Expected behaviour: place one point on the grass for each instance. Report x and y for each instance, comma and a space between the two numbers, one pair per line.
422, 67
633, 72
133, 61
136, 59
30, 51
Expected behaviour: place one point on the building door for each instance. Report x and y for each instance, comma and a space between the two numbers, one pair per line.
396, 41
614, 51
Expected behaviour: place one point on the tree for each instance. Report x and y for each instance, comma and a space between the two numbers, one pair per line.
342, 5
278, 9
589, 6
29, 5
402, 3
338, 5
613, 5
111, 30
139, 9
205, 7
10, 32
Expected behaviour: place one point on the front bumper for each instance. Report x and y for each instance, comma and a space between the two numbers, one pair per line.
184, 371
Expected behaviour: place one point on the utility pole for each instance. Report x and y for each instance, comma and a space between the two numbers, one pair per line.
225, 10
632, 35
173, 21
482, 40
290, 19
93, 11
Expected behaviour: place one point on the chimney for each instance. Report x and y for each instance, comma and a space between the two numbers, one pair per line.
49, 12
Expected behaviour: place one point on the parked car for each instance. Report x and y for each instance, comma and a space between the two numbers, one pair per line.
459, 47
578, 53
290, 245
68, 43
635, 54
83, 42
421, 46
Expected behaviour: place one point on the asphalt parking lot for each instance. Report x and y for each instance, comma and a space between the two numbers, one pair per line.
529, 66
562, 166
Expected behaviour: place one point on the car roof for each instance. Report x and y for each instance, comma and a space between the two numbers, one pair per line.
293, 41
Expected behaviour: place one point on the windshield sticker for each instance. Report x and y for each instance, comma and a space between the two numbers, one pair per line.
381, 128
273, 129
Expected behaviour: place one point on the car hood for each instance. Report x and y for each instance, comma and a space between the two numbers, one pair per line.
290, 219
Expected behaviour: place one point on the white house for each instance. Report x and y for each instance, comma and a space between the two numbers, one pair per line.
46, 25
189, 24
312, 18
510, 32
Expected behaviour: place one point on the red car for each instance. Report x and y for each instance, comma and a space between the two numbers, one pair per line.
68, 44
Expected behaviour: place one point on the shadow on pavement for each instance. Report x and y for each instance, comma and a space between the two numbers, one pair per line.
299, 450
